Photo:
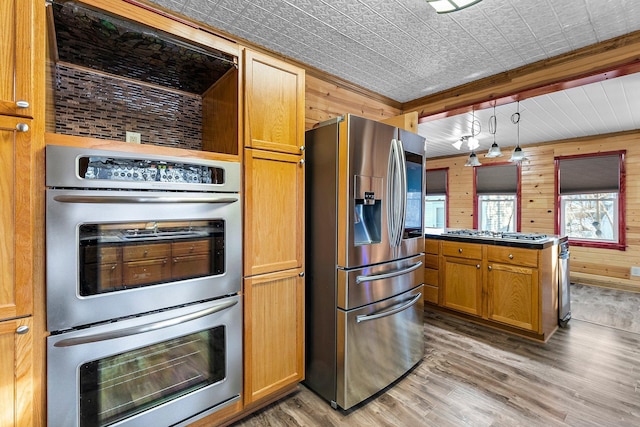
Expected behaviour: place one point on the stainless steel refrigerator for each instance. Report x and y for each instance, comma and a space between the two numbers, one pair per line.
365, 185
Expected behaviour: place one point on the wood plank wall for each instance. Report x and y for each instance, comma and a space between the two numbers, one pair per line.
604, 267
325, 100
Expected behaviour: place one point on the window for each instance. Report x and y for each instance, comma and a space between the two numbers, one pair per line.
591, 205
497, 198
435, 212
497, 212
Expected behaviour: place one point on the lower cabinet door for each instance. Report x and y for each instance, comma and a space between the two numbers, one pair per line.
16, 373
274, 333
462, 285
513, 296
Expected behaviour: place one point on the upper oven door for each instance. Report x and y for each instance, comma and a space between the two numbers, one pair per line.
112, 254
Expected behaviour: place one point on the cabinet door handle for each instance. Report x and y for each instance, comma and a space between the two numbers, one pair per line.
22, 104
302, 161
302, 147
510, 256
301, 274
478, 266
22, 127
459, 250
489, 268
21, 330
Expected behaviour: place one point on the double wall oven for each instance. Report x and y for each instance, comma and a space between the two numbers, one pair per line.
143, 281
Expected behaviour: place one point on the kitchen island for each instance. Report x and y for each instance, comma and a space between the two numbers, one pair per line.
504, 280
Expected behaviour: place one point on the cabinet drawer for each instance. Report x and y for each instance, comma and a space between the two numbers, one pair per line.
104, 254
141, 252
190, 248
515, 256
431, 261
146, 272
431, 294
431, 246
462, 250
190, 266
430, 277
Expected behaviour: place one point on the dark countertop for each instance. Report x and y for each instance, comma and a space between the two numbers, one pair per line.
487, 240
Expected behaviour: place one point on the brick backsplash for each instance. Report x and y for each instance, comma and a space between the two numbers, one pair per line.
101, 106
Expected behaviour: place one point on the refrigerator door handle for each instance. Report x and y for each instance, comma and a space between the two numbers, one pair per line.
391, 191
365, 317
394, 273
403, 190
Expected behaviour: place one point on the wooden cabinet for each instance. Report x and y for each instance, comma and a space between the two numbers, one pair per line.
274, 211
431, 271
16, 219
16, 377
462, 281
16, 57
273, 227
512, 287
273, 104
274, 333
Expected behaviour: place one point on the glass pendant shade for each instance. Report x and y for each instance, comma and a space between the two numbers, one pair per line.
494, 151
518, 155
473, 160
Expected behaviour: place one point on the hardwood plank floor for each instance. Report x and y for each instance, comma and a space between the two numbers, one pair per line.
471, 375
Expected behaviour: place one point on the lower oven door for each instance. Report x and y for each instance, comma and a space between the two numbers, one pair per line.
154, 370
377, 344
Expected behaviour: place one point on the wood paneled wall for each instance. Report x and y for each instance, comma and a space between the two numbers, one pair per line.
605, 267
325, 100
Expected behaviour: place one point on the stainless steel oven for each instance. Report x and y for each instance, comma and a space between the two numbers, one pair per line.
130, 234
163, 369
143, 277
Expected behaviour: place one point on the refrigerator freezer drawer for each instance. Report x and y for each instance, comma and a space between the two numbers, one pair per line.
361, 286
377, 344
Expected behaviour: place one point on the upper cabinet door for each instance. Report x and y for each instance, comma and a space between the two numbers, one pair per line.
16, 50
16, 218
274, 104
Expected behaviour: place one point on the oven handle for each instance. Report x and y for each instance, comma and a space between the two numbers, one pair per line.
394, 273
142, 199
104, 336
365, 317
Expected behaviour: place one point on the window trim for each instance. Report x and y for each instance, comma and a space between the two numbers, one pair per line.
446, 195
518, 224
621, 245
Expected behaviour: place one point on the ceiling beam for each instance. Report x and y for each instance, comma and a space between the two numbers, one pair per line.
612, 58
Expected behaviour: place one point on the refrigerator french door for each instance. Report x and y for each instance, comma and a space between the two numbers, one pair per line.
364, 250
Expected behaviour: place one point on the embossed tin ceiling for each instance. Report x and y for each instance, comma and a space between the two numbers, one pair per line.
403, 49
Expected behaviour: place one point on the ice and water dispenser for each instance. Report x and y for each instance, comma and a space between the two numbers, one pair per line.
368, 210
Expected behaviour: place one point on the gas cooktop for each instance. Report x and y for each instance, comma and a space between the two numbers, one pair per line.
531, 237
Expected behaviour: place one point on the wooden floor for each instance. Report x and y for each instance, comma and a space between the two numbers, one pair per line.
586, 375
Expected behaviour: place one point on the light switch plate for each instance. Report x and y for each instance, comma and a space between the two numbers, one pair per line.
133, 137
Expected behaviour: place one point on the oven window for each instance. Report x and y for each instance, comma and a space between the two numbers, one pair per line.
120, 386
121, 256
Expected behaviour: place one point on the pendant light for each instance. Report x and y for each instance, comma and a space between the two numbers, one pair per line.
494, 151
473, 160
472, 142
518, 154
